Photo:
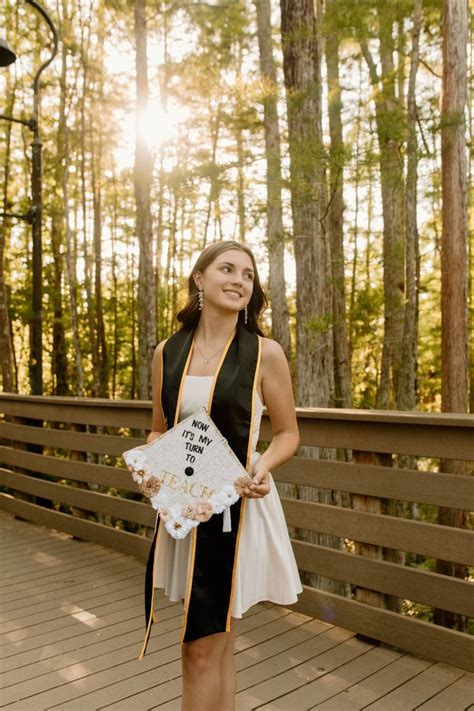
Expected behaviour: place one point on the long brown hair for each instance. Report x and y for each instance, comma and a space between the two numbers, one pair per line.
189, 315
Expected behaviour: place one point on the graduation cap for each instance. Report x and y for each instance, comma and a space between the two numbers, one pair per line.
189, 473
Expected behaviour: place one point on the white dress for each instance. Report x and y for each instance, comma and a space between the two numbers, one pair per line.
266, 565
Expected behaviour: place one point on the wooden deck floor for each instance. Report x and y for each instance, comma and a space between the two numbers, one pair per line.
72, 626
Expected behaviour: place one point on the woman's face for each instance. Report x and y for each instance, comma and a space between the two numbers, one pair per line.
228, 280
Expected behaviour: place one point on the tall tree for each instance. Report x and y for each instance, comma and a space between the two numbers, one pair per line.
302, 57
302, 70
406, 396
6, 345
97, 170
275, 231
142, 181
390, 134
59, 365
342, 366
454, 335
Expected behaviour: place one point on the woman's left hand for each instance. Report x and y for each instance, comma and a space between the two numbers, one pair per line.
260, 485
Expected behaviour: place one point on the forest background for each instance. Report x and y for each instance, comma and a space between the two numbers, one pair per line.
168, 125
335, 138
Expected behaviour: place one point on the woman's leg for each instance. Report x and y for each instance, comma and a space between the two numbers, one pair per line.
201, 665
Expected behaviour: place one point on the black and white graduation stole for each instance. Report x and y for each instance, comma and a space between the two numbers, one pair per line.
210, 585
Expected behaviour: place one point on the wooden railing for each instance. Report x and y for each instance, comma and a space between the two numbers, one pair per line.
47, 476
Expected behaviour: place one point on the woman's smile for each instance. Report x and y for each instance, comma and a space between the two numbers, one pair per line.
233, 294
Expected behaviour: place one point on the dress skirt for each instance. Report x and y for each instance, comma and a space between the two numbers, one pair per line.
266, 565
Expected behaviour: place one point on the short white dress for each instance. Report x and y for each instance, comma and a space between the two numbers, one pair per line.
266, 565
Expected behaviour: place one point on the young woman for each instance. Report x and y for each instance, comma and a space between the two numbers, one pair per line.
220, 358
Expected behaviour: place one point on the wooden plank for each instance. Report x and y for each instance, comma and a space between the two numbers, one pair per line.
53, 646
419, 689
45, 582
119, 679
28, 548
49, 585
459, 695
106, 504
146, 694
48, 610
134, 414
101, 474
166, 632
419, 637
119, 664
52, 636
327, 685
442, 591
109, 573
252, 647
47, 690
423, 434
377, 684
438, 489
263, 683
73, 667
275, 635
87, 530
75, 621
44, 552
26, 615
65, 439
33, 574
428, 539
424, 440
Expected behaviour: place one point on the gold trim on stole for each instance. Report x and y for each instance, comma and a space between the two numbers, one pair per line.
244, 498
194, 531
178, 407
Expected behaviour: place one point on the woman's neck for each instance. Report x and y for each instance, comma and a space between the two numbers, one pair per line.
214, 329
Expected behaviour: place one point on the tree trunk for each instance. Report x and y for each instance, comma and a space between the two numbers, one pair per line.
314, 365
342, 366
6, 344
142, 181
406, 396
63, 149
454, 337
314, 376
91, 322
59, 350
389, 120
275, 231
96, 139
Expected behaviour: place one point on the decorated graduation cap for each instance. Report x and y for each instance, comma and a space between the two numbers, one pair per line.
189, 473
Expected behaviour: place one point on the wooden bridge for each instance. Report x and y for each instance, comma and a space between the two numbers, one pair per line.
72, 608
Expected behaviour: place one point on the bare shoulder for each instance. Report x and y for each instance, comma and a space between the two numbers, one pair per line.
273, 354
277, 387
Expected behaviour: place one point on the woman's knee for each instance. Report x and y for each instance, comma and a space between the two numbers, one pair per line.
203, 654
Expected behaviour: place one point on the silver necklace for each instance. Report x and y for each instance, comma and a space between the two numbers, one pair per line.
208, 359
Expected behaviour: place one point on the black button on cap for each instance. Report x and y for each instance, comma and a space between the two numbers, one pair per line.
189, 471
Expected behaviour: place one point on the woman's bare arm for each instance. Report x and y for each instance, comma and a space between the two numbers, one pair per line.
279, 400
158, 425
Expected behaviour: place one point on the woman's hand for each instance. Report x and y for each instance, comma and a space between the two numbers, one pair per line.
260, 485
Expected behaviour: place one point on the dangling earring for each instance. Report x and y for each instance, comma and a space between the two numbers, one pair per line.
245, 314
201, 299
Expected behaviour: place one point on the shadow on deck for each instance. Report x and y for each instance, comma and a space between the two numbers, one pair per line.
72, 626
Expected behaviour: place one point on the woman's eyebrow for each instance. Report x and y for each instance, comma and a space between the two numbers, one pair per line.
247, 269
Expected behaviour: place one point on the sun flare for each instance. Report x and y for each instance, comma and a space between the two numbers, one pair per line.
156, 126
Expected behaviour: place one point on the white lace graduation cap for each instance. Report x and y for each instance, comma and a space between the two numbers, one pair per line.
189, 473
